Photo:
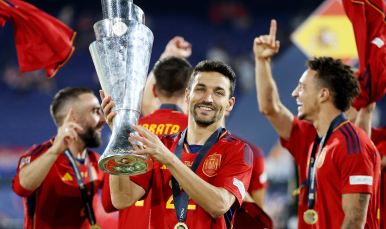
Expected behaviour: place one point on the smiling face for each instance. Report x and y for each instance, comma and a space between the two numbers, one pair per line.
208, 98
91, 119
306, 94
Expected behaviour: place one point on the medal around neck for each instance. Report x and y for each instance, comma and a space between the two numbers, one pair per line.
180, 225
95, 227
121, 56
310, 216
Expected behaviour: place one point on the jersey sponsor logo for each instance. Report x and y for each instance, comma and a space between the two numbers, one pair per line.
211, 165
263, 178
67, 177
240, 186
167, 128
24, 161
355, 180
321, 158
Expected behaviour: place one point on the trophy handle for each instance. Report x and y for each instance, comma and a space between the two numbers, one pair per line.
98, 68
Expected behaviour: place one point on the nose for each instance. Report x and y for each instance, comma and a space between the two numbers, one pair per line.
208, 98
295, 93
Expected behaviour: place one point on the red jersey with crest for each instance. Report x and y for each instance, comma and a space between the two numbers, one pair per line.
228, 164
167, 119
348, 163
57, 202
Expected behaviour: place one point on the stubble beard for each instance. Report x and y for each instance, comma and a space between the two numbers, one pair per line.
90, 138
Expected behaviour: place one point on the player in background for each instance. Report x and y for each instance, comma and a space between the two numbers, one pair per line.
171, 76
345, 157
213, 189
259, 182
46, 173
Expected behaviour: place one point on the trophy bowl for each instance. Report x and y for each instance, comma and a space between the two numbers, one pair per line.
121, 56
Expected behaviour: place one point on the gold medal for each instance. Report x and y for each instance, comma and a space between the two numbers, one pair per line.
95, 227
310, 216
180, 225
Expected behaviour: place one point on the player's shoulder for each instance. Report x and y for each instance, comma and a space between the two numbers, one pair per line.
257, 151
235, 148
170, 137
232, 142
353, 138
38, 149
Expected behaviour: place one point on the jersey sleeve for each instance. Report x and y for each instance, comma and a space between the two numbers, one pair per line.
259, 176
302, 136
235, 172
32, 154
357, 170
378, 135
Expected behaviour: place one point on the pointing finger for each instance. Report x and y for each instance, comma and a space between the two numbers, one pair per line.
68, 116
272, 32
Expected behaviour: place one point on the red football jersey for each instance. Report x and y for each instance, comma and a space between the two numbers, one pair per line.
57, 202
368, 21
349, 163
382, 149
228, 164
168, 119
42, 41
378, 135
259, 176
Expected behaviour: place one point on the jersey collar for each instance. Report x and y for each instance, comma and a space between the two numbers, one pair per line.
168, 106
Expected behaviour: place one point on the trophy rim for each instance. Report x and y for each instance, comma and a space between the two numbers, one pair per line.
120, 20
104, 160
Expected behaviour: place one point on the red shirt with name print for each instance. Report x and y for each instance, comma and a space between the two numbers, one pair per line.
57, 202
228, 164
348, 163
167, 119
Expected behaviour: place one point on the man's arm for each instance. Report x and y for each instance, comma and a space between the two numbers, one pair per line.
176, 47
355, 210
124, 192
32, 175
214, 200
258, 196
267, 94
364, 118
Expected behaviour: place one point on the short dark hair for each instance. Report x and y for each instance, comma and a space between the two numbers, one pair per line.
171, 76
338, 78
62, 98
215, 66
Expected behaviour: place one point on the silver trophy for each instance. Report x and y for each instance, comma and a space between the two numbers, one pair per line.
121, 55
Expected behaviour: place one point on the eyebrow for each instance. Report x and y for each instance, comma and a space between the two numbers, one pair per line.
216, 88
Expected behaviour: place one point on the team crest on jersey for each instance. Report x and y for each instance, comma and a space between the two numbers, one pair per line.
211, 165
321, 157
24, 161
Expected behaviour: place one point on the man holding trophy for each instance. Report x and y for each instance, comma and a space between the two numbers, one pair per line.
212, 168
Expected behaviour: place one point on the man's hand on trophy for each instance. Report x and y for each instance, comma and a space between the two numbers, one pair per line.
67, 133
177, 47
154, 146
266, 46
107, 106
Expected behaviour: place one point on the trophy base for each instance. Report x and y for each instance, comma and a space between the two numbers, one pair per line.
125, 164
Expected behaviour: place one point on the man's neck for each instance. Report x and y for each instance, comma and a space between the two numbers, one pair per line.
176, 101
324, 119
78, 150
198, 135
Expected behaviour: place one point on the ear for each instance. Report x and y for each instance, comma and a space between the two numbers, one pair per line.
324, 95
231, 103
155, 91
187, 96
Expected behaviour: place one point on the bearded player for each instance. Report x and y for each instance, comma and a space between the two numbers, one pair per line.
193, 189
171, 76
338, 163
46, 173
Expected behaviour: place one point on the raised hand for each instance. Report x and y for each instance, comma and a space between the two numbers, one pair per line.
177, 47
266, 46
154, 146
107, 106
67, 133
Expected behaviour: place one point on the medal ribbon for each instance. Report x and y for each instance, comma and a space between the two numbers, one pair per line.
311, 182
181, 201
86, 198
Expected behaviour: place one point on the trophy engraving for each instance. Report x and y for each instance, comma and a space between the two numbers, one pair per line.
121, 56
